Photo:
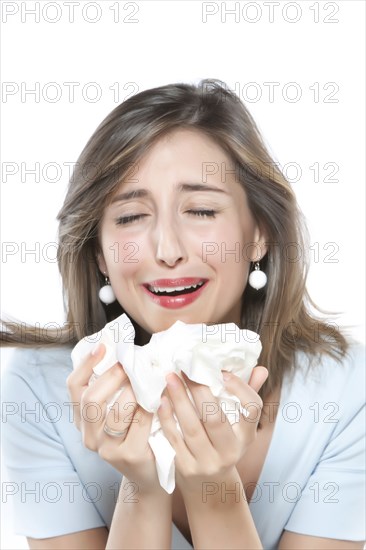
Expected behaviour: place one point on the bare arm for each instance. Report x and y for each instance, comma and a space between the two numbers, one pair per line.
222, 519
206, 455
143, 512
141, 521
290, 540
90, 539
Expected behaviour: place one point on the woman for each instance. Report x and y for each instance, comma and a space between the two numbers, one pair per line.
176, 189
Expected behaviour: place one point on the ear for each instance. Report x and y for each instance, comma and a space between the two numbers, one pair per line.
257, 252
101, 262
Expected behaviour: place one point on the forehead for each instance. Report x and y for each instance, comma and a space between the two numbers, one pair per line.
184, 163
185, 147
183, 156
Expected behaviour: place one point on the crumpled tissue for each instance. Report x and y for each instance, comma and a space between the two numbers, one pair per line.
200, 351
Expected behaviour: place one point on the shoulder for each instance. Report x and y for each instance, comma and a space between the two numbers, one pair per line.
328, 451
42, 357
326, 377
34, 377
45, 460
35, 370
33, 391
322, 402
30, 362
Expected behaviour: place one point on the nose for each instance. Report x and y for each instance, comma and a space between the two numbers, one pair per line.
169, 247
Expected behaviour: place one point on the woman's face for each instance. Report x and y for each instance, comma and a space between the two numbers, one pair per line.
188, 223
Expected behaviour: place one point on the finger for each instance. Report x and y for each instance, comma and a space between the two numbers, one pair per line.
79, 377
103, 391
214, 420
187, 415
137, 437
168, 423
131, 445
94, 400
105, 386
258, 377
205, 427
249, 399
120, 417
124, 436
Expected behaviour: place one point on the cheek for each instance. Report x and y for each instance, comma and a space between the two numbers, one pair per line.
121, 255
123, 259
231, 244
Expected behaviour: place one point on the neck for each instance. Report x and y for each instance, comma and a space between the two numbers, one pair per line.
142, 337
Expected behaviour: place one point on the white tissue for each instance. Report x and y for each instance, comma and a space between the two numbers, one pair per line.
200, 351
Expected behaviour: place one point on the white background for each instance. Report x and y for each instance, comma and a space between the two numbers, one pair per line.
169, 42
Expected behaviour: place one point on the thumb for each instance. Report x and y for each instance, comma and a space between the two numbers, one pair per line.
258, 377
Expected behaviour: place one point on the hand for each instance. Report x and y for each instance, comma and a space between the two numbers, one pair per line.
210, 447
130, 453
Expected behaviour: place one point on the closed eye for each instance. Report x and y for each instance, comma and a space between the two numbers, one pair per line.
203, 213
123, 220
129, 219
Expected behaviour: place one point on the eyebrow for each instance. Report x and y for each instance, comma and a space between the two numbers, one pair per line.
183, 187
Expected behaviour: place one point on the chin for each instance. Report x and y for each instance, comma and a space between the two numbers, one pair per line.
159, 325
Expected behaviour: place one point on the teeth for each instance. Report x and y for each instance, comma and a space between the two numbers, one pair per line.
173, 289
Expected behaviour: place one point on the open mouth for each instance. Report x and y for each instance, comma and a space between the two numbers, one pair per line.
177, 291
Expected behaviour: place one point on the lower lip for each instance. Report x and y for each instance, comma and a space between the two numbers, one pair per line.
175, 302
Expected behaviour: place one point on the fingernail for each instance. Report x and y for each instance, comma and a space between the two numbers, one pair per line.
163, 403
96, 349
226, 375
172, 380
164, 407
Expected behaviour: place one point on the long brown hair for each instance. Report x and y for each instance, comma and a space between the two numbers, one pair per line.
280, 312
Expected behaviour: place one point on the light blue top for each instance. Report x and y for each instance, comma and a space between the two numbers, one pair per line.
312, 481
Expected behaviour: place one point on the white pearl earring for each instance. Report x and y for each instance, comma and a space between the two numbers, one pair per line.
106, 294
257, 278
